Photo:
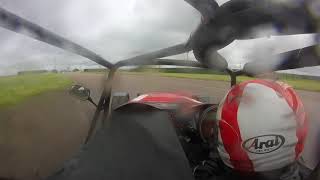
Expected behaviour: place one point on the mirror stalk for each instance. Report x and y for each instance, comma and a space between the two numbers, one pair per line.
233, 77
92, 102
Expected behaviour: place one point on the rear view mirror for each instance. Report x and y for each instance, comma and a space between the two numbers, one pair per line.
80, 92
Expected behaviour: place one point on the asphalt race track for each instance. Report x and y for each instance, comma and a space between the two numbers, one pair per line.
143, 83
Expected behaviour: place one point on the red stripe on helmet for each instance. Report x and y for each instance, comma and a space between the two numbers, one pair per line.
302, 122
230, 132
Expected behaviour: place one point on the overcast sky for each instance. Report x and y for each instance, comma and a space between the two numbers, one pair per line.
113, 29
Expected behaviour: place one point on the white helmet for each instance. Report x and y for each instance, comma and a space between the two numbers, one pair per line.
262, 126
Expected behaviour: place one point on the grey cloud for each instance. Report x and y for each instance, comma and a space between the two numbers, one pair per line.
113, 29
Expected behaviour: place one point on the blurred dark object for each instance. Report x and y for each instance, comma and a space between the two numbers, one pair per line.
118, 99
54, 71
80, 92
32, 72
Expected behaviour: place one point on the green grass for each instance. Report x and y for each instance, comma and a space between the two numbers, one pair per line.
214, 77
302, 84
14, 89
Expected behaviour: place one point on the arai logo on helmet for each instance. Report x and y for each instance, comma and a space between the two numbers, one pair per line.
263, 144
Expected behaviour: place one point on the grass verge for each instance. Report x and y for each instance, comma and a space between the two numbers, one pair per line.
302, 84
14, 89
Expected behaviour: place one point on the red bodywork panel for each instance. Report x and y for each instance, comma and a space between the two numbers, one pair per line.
166, 101
166, 98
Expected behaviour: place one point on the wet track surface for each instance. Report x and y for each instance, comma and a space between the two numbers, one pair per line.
39, 134
143, 83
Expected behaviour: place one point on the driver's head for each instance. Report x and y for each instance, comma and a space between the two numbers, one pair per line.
262, 126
